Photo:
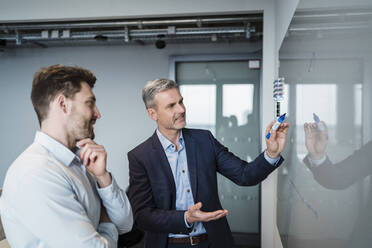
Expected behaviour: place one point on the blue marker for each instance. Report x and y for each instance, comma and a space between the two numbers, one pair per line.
276, 125
319, 124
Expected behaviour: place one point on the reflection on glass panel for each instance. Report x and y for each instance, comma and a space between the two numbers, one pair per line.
284, 104
318, 99
357, 104
200, 102
358, 115
238, 102
301, 199
324, 185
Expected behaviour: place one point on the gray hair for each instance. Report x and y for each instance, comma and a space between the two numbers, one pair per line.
154, 87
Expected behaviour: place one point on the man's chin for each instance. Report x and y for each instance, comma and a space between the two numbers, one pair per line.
180, 126
86, 136
92, 135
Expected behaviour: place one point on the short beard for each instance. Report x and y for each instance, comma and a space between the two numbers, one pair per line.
80, 130
85, 134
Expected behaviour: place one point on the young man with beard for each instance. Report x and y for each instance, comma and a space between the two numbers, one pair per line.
173, 181
58, 193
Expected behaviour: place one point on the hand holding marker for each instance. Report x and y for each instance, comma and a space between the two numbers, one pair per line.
276, 125
319, 124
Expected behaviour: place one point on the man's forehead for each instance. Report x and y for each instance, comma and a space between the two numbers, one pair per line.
86, 91
168, 95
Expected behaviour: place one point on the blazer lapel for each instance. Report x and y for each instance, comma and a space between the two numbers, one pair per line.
191, 148
158, 155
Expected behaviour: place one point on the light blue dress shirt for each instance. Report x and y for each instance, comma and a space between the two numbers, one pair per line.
50, 200
178, 162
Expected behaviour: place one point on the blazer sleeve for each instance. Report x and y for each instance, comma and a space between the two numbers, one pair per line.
146, 214
240, 171
344, 173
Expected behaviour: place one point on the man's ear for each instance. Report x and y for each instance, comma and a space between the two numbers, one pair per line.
62, 103
152, 113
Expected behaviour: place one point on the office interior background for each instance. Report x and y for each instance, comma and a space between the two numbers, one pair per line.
225, 55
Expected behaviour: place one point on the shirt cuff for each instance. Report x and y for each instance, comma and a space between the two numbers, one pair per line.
316, 162
109, 192
186, 223
272, 161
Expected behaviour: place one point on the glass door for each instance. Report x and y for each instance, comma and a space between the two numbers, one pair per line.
223, 97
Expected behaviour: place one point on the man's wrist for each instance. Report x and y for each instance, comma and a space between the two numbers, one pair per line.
272, 156
272, 161
188, 224
316, 162
187, 218
316, 156
104, 180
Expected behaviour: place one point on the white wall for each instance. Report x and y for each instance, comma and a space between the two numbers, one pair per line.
23, 10
16, 10
122, 71
277, 17
285, 10
268, 187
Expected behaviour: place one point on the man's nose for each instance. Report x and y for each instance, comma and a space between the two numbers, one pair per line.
181, 108
97, 114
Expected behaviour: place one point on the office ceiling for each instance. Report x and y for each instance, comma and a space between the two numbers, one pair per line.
143, 31
193, 29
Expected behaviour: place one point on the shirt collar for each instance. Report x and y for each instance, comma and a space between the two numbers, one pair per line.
165, 143
59, 151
